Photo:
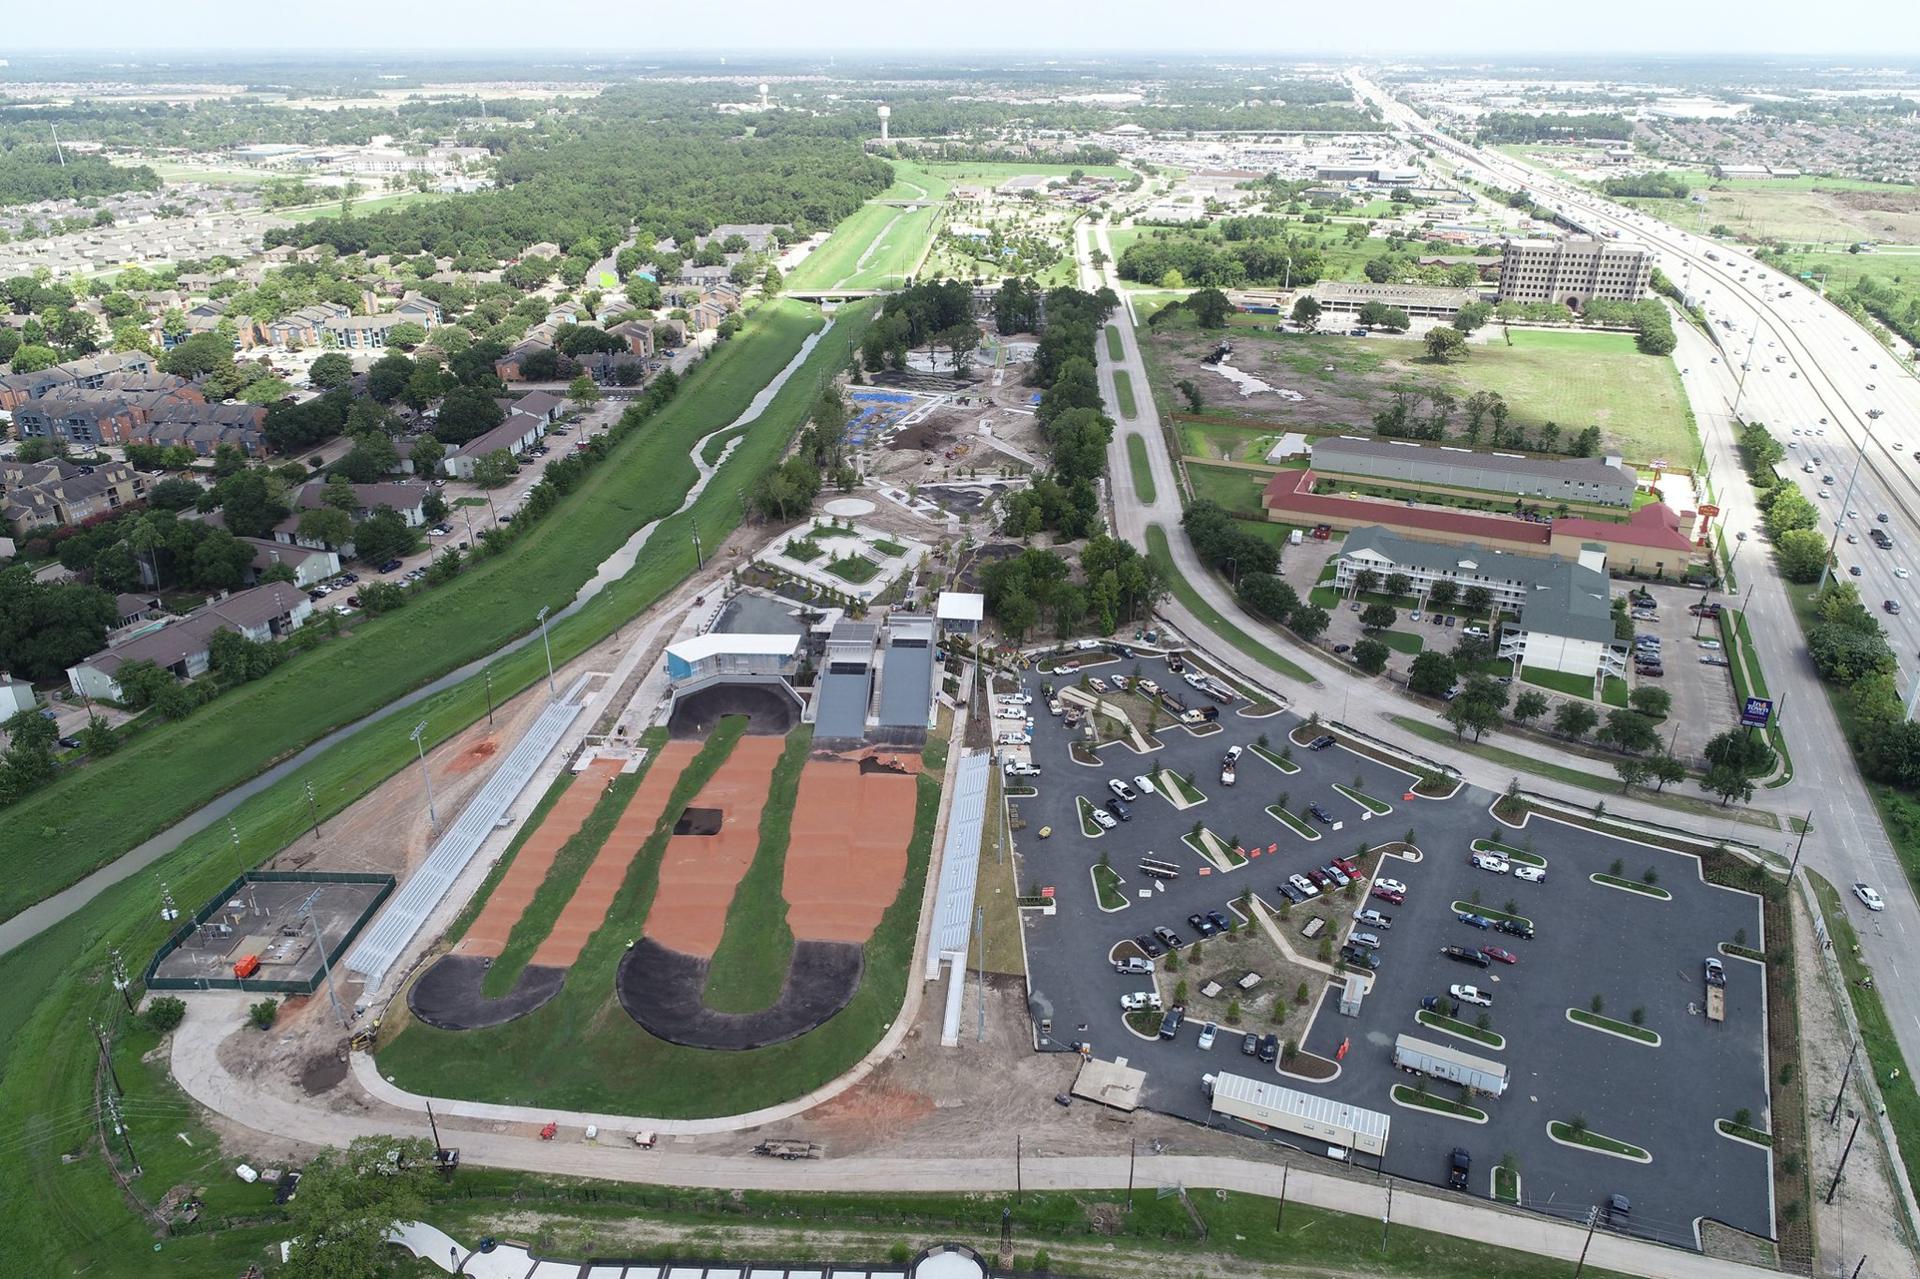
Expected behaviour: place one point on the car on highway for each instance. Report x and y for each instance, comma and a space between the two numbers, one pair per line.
1532, 874
1868, 897
1471, 995
1853, 570
1901, 573
1824, 492
1891, 606
1122, 790
1503, 956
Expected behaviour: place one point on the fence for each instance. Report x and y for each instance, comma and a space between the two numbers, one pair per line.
275, 987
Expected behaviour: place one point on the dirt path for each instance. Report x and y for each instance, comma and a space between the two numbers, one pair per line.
516, 888
699, 873
847, 857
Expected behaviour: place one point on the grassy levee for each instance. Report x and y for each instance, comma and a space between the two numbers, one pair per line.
581, 1053
569, 864
750, 965
63, 831
61, 1217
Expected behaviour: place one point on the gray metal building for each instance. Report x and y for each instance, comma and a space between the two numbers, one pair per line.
1597, 481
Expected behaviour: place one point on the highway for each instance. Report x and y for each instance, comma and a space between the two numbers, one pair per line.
1863, 418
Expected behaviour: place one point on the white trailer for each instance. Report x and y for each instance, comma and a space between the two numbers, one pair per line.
1319, 1119
1420, 1057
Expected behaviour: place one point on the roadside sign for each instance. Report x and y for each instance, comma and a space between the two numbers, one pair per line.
1709, 509
1757, 712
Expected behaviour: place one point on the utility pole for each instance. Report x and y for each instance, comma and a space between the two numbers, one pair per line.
1386, 1217
437, 1143
326, 965
427, 777
121, 982
1805, 826
1280, 1213
1019, 1187
699, 559
120, 1127
1131, 1142
553, 693
1593, 1219
1843, 1160
1846, 504
1833, 1115
239, 858
313, 809
106, 1055
489, 677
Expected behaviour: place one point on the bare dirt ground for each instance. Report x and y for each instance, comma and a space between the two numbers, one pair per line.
1865, 1217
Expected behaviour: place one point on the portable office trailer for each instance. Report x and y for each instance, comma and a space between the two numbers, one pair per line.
1319, 1119
1418, 1056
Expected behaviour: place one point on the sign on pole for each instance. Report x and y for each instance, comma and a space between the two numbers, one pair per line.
1757, 713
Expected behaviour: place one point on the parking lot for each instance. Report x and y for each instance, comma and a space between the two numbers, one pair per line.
1634, 951
1702, 691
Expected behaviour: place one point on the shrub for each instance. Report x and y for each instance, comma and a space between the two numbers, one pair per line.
1484, 1021
1639, 1016
1741, 1116
1577, 1125
1290, 1050
1279, 1013
1180, 991
1233, 1012
264, 1013
1300, 995
1596, 1003
164, 1012
1618, 868
1173, 961
1649, 876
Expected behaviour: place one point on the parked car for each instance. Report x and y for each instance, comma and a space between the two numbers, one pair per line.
1471, 995
1321, 742
1339, 877
1219, 921
1122, 790
1168, 937
1119, 810
1532, 874
1302, 885
1466, 955
1459, 1165
1491, 861
1147, 944
1472, 920
1392, 896
1207, 1033
389, 566
1270, 1048
1372, 919
1513, 928
1359, 956
1503, 956
1103, 819
1391, 885
1250, 1045
1320, 814
1370, 940
1201, 924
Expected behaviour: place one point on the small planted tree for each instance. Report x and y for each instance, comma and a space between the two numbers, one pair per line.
164, 1012
1193, 953
264, 1013
1577, 1126
1618, 868
1596, 1003
1173, 963
1300, 995
1639, 1016
1279, 1013
1180, 991
1649, 876
1233, 1012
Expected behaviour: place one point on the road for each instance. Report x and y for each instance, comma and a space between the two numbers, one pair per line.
1778, 320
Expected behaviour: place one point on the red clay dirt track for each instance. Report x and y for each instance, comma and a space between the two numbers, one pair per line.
847, 857
699, 873
586, 910
488, 935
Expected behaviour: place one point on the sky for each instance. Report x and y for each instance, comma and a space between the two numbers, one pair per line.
1874, 30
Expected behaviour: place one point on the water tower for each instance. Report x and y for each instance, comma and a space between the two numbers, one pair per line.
885, 111
763, 97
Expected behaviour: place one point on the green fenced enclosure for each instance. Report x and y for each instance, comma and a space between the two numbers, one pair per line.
382, 884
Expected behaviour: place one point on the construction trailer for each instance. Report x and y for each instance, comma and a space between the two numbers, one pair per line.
1341, 1127
1421, 1057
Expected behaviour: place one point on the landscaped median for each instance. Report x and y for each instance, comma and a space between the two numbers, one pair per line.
1295, 824
1405, 1096
1743, 663
1607, 1025
1375, 807
1506, 1184
1734, 1130
1509, 852
1282, 762
1106, 887
1123, 390
1578, 1134
1632, 886
1088, 827
1179, 791
1214, 849
1453, 1026
1137, 461
1474, 908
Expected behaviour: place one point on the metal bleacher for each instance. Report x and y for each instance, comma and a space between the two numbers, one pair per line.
409, 907
959, 861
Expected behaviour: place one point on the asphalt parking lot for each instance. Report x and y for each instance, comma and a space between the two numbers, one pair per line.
1633, 951
1703, 700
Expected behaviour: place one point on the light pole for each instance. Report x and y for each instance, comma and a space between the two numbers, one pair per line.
1746, 366
1846, 504
699, 559
541, 617
425, 776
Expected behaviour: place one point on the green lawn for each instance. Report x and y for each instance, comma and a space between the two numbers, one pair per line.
1190, 599
1088, 827
890, 239
362, 207
1379, 808
1595, 1141
1123, 390
1427, 1101
1227, 443
1138, 463
750, 965
1235, 489
61, 832
887, 546
1400, 641
1613, 1026
580, 1052
1115, 351
854, 568
1106, 883
64, 1217
920, 180
1559, 681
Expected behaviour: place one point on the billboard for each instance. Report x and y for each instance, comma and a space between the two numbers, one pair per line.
1757, 712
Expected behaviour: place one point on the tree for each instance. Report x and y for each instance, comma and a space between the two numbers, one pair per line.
1366, 582
1666, 769
47, 627
1210, 308
1309, 621
383, 536
426, 456
1630, 731
1476, 599
1444, 343
1431, 674
329, 526
1443, 593
1378, 617
406, 335
583, 392
465, 413
1728, 783
372, 457
1801, 554
1371, 656
1472, 316
1651, 702
333, 369
350, 1199
1398, 584
491, 470
249, 505
1306, 312
1531, 704
1632, 772
1574, 719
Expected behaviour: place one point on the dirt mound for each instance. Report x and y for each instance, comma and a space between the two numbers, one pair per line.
921, 437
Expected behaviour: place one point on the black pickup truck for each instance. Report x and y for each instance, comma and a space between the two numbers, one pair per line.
1466, 955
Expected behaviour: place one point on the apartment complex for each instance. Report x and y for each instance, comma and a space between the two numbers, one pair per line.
1561, 614
1576, 270
1451, 470
38, 494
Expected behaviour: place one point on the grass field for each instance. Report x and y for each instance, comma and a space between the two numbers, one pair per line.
64, 1217
876, 248
361, 207
1123, 389
52, 838
577, 1054
1236, 490
1138, 463
917, 180
1190, 600
750, 965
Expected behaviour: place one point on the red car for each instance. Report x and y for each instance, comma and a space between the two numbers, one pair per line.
1320, 880
1348, 865
1504, 956
1389, 895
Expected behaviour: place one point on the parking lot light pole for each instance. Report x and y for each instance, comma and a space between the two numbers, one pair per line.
427, 777
541, 617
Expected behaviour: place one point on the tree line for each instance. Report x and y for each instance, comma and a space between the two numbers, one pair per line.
1072, 418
